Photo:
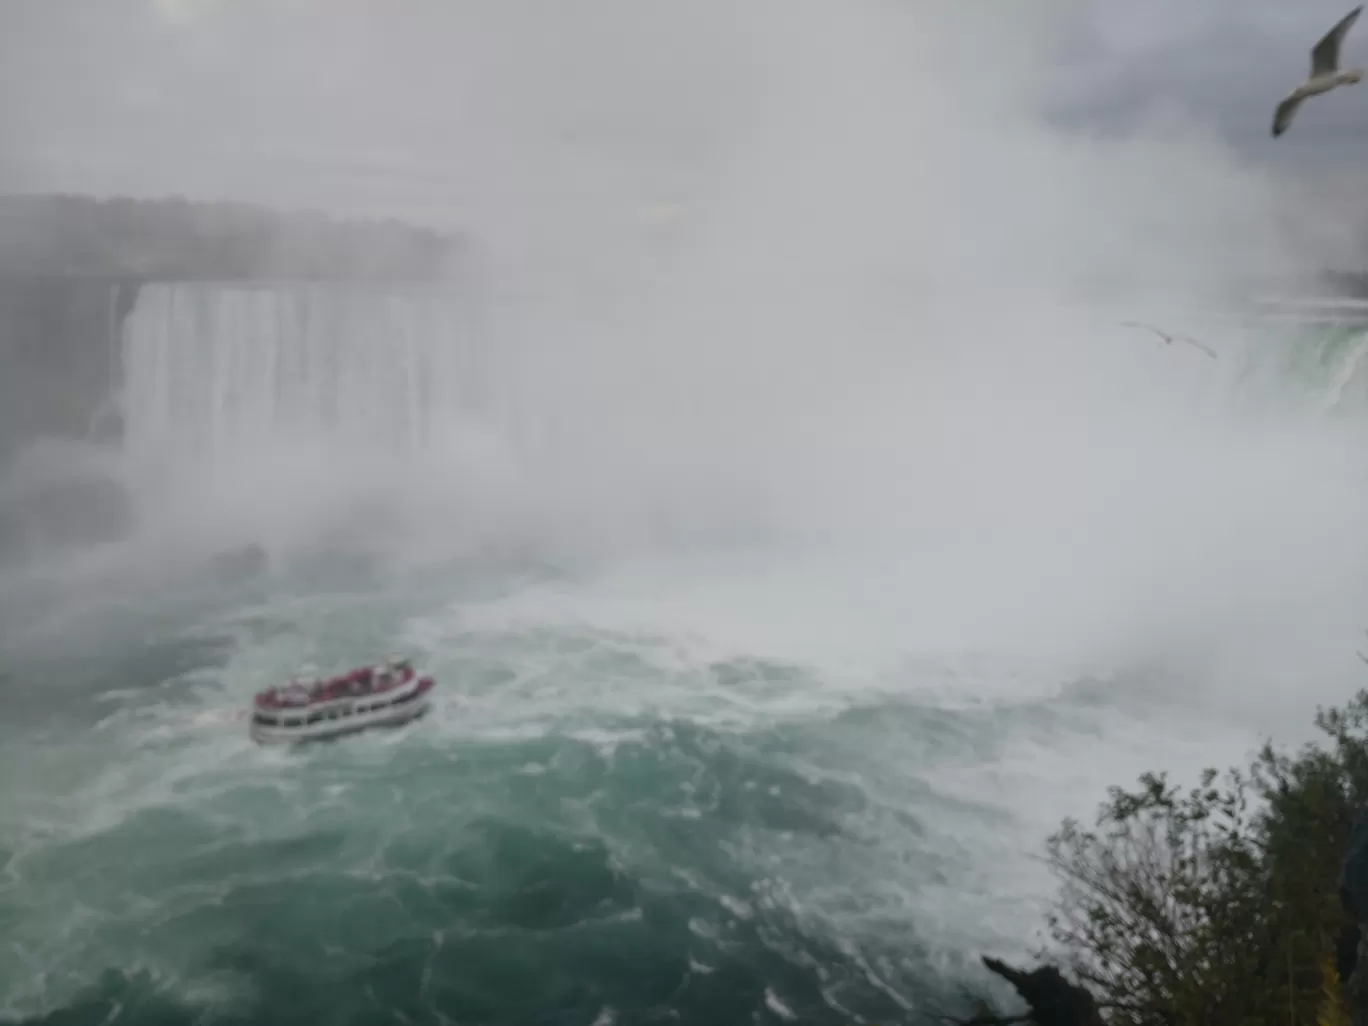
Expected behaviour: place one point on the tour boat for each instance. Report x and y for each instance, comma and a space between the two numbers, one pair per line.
388, 695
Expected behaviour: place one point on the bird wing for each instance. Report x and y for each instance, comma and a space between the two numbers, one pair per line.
1145, 327
1198, 345
1325, 54
1170, 339
1287, 110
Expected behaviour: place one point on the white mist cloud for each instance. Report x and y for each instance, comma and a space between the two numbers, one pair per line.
184, 10
880, 316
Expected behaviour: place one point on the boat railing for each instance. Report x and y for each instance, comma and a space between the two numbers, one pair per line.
324, 693
342, 707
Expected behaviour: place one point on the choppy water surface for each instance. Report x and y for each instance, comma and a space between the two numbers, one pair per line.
601, 821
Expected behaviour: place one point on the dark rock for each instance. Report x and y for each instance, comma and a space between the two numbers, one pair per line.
1053, 1000
66, 510
57, 358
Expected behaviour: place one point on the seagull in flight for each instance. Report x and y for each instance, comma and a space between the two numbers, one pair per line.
1168, 339
1325, 73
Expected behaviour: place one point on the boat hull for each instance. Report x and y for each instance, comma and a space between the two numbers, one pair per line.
331, 720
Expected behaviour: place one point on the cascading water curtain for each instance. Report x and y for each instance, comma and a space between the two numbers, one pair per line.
210, 368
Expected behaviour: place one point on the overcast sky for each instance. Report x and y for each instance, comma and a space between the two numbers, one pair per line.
1227, 62
151, 96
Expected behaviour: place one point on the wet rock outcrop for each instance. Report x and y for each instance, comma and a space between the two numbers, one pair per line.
1051, 999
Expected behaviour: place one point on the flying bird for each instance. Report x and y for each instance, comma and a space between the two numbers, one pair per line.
1168, 339
1325, 73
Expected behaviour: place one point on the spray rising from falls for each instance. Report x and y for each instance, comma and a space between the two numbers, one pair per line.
271, 414
259, 410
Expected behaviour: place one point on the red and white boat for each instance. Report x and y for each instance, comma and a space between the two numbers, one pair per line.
387, 695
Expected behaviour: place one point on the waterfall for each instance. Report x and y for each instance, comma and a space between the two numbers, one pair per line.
1324, 363
1348, 368
209, 368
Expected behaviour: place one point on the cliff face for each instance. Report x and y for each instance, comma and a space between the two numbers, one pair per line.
56, 355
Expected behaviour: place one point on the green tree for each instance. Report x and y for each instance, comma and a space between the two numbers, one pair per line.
1218, 904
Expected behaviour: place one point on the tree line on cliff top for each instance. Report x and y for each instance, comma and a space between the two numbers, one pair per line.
173, 239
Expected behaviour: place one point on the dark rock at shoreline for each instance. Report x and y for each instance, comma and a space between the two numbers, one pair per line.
1053, 1000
